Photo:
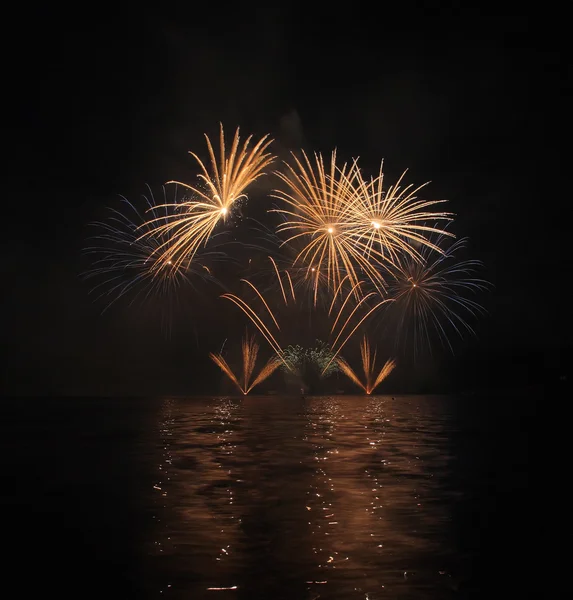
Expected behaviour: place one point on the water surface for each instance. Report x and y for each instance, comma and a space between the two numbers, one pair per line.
266, 497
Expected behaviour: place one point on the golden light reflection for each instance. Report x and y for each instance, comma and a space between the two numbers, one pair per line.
337, 496
366, 507
322, 504
197, 519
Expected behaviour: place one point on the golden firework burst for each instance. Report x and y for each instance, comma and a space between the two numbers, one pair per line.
386, 224
224, 185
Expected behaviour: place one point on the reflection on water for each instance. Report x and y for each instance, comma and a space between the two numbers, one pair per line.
332, 497
255, 498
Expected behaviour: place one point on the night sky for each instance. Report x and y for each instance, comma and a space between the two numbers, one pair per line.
105, 103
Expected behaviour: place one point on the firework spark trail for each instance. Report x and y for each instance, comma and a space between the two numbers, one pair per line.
296, 281
258, 323
341, 323
430, 294
302, 285
250, 350
279, 278
337, 349
386, 224
370, 381
225, 185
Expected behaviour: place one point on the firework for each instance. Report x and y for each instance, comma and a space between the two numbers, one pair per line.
387, 224
296, 283
124, 262
340, 248
315, 210
318, 357
346, 314
223, 187
245, 382
370, 381
350, 225
430, 296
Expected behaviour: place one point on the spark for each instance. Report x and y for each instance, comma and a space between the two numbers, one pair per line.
314, 212
350, 224
351, 313
430, 297
224, 186
370, 381
215, 589
337, 346
250, 350
345, 238
385, 224
124, 262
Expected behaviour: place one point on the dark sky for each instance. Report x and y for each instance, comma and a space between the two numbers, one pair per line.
472, 99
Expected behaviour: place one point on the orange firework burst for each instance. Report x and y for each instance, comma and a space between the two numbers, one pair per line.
223, 187
371, 381
350, 225
245, 382
317, 202
386, 224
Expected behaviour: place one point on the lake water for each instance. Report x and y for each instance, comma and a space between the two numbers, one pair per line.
265, 497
